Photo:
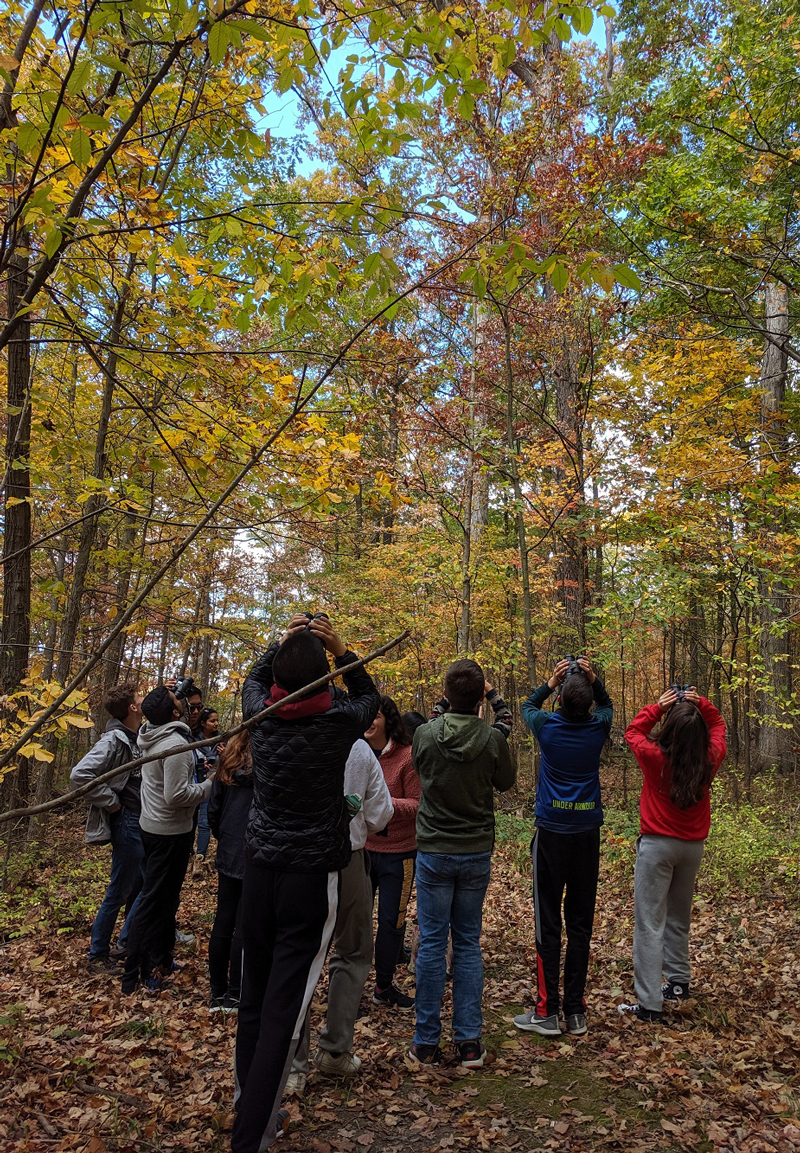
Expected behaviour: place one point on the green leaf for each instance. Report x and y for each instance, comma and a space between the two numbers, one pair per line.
250, 28
80, 76
562, 29
559, 277
80, 148
91, 122
29, 139
218, 41
466, 106
627, 277
479, 284
52, 242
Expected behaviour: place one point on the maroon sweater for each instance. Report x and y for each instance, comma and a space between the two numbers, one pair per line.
403, 784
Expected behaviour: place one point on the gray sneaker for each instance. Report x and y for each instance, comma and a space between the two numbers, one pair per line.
345, 1065
533, 1023
576, 1024
184, 938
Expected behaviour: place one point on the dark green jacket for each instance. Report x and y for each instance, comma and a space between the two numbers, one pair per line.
460, 760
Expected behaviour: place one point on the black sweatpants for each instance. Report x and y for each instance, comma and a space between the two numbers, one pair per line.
287, 925
392, 876
571, 862
225, 945
151, 936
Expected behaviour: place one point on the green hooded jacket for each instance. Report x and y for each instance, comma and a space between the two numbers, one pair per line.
460, 760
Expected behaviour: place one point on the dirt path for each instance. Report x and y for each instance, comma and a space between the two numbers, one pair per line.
82, 1068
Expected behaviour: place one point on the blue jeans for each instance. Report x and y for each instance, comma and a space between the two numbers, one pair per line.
450, 893
127, 871
203, 830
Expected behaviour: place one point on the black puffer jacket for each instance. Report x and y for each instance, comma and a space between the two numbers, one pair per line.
299, 821
228, 815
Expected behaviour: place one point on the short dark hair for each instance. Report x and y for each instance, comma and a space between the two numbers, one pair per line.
300, 660
157, 706
576, 698
413, 720
464, 685
118, 700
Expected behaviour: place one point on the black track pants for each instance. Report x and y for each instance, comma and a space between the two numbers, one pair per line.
287, 925
151, 935
571, 862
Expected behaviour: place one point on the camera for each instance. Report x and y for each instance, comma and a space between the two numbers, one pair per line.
315, 617
185, 687
680, 690
574, 667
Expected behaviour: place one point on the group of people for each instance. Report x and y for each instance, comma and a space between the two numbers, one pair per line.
334, 798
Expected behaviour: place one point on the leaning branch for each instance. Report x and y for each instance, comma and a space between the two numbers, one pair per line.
76, 794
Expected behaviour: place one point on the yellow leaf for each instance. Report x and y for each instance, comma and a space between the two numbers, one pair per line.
79, 722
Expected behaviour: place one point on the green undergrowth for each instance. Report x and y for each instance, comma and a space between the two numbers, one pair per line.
753, 847
45, 890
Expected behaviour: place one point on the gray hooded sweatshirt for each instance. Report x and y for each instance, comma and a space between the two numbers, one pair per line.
169, 795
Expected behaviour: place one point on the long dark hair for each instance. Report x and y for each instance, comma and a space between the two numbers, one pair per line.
396, 727
683, 739
235, 755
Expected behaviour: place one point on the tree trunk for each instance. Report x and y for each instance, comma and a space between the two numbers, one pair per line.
773, 741
15, 632
522, 540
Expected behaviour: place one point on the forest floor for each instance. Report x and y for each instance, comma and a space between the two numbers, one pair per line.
85, 1069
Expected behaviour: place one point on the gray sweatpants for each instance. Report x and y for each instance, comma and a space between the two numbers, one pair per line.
666, 868
349, 964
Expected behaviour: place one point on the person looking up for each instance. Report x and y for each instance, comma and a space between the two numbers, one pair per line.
228, 813
114, 809
678, 765
393, 852
169, 799
566, 846
297, 844
461, 760
352, 936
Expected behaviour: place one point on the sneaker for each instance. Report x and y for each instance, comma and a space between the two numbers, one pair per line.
100, 964
118, 953
675, 991
216, 1005
425, 1054
576, 1024
184, 938
231, 1001
638, 1013
343, 1065
471, 1054
533, 1023
392, 998
153, 985
296, 1084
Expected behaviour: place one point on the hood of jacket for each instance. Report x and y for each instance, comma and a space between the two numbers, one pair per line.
116, 726
158, 738
462, 736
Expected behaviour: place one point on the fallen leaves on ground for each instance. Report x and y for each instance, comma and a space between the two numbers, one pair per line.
86, 1069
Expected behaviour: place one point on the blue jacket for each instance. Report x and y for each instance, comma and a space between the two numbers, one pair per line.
568, 794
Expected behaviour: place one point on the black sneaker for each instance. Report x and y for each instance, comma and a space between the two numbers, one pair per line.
638, 1013
216, 1005
675, 991
102, 964
392, 998
425, 1054
471, 1054
118, 953
231, 1001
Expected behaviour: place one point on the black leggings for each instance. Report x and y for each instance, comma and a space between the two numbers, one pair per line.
225, 946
